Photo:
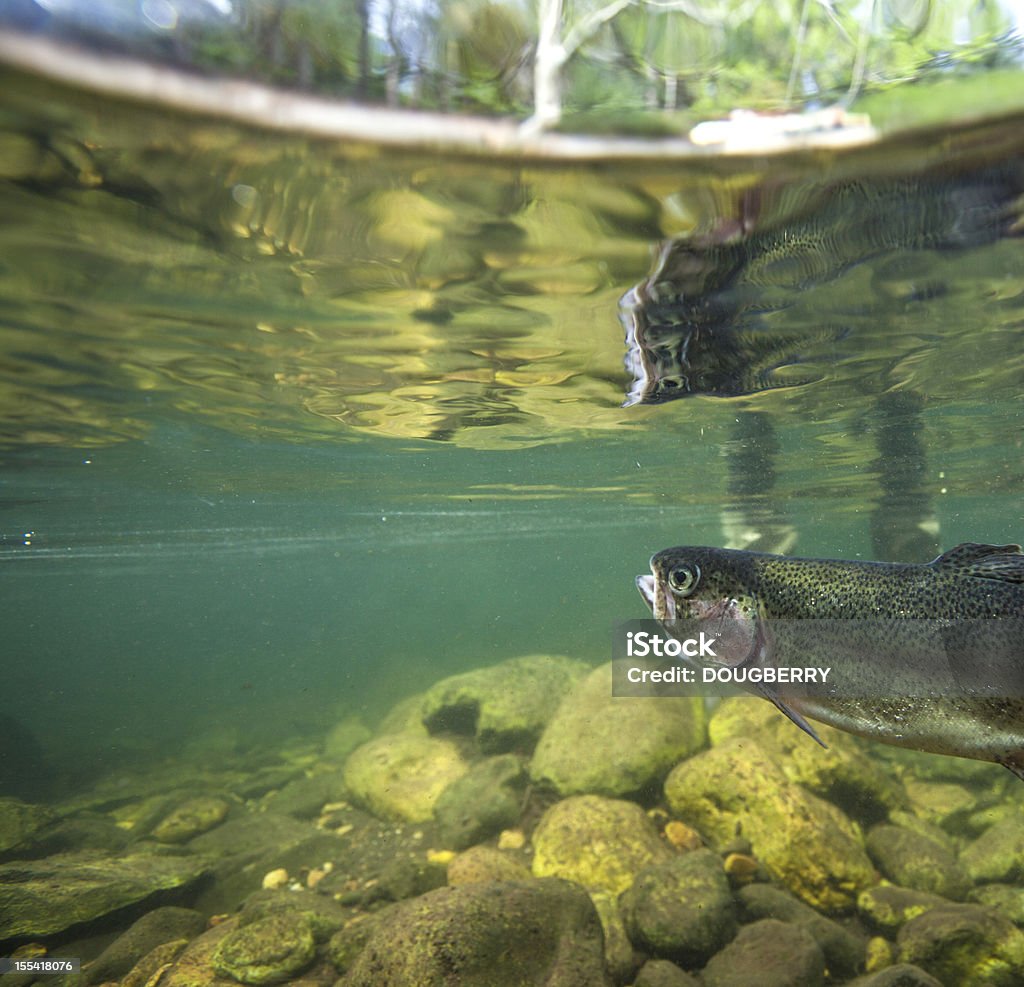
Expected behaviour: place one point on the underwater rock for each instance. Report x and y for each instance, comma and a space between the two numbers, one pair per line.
267, 951
899, 975
663, 973
843, 951
409, 875
19, 822
599, 744
41, 897
82, 831
345, 737
402, 775
598, 842
681, 909
807, 844
966, 945
998, 854
768, 953
191, 818
887, 907
304, 797
321, 914
155, 928
193, 967
507, 705
149, 967
842, 774
944, 803
483, 802
485, 863
913, 860
507, 934
1007, 899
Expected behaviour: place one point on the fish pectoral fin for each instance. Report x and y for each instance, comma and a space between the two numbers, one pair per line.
793, 715
1013, 762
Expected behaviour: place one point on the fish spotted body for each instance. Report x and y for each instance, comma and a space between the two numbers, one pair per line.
929, 656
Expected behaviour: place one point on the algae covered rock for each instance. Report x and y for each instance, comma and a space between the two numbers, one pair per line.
663, 973
193, 966
768, 953
598, 842
887, 906
601, 744
505, 934
966, 945
304, 797
842, 773
681, 908
485, 863
484, 801
42, 897
913, 860
898, 975
155, 928
323, 915
402, 775
268, 951
1007, 899
507, 705
842, 949
807, 844
998, 854
191, 818
150, 967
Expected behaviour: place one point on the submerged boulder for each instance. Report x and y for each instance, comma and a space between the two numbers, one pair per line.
401, 775
484, 801
598, 842
681, 908
843, 950
915, 860
155, 928
505, 706
966, 945
807, 844
998, 854
601, 744
841, 773
768, 953
269, 950
888, 906
41, 897
191, 818
505, 934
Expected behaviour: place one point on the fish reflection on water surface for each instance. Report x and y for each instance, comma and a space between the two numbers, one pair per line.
696, 325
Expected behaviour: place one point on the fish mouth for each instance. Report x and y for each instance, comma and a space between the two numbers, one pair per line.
663, 607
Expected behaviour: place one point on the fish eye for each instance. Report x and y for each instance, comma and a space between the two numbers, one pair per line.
684, 578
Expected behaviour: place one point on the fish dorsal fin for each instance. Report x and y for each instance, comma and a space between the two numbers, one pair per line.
1004, 562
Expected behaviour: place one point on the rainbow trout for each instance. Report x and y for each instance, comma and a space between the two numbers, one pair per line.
929, 657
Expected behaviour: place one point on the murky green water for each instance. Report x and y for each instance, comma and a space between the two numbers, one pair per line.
297, 426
